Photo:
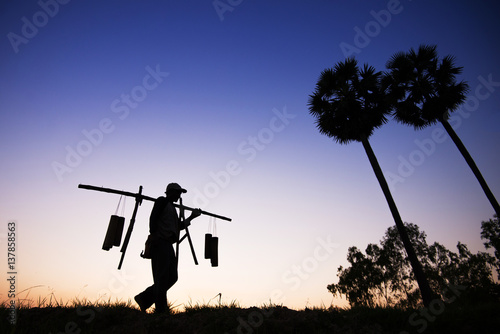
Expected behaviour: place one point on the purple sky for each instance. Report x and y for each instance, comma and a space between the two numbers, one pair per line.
127, 93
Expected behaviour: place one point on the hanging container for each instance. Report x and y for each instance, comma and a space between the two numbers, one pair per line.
114, 232
214, 251
115, 228
208, 245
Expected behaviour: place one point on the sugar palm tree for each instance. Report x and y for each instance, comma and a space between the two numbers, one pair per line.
426, 91
349, 104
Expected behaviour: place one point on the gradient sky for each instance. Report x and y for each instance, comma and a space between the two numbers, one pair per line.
127, 93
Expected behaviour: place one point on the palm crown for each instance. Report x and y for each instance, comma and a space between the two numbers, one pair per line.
349, 103
424, 89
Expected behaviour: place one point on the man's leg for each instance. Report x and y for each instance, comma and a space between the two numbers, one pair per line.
159, 264
146, 298
149, 296
172, 268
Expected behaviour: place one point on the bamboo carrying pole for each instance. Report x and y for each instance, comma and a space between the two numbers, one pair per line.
138, 201
126, 193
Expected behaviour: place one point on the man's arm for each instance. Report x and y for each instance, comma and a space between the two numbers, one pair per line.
187, 221
156, 213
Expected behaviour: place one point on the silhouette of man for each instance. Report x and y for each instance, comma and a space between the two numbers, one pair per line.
164, 226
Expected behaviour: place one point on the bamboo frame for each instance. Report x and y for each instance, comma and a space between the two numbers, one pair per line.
138, 201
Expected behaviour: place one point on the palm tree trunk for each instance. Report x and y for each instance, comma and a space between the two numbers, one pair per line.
472, 165
423, 284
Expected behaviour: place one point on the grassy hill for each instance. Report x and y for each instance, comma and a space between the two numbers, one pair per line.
126, 318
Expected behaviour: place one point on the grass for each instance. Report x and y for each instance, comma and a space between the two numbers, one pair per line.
52, 315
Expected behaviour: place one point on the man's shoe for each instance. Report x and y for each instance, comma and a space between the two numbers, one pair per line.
142, 305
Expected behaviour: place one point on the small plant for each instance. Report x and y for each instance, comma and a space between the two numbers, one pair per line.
190, 307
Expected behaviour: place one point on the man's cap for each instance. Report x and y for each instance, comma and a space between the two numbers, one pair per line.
175, 186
